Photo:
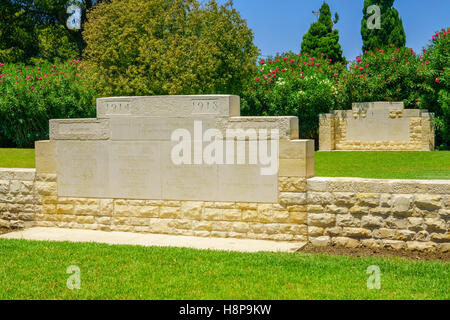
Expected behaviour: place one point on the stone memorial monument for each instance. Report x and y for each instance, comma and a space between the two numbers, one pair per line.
177, 164
377, 126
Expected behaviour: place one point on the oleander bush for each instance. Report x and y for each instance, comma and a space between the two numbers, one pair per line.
294, 84
388, 74
31, 95
435, 94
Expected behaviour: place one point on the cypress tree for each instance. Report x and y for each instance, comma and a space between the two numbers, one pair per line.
391, 27
321, 38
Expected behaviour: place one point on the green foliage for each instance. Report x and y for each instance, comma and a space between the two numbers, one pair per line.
139, 47
389, 74
17, 33
391, 31
31, 29
55, 44
435, 94
321, 38
294, 85
32, 95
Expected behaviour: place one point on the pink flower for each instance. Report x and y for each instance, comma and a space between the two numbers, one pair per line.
366, 66
292, 60
361, 68
32, 88
393, 58
335, 74
257, 79
437, 80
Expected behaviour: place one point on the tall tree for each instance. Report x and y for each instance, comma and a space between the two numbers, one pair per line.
38, 29
321, 38
17, 33
390, 29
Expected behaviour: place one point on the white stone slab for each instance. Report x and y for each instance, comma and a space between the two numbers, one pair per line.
378, 128
145, 170
170, 106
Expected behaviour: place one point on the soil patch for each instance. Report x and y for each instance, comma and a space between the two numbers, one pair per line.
385, 253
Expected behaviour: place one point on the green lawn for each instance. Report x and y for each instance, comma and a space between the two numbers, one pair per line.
376, 165
37, 270
384, 165
17, 158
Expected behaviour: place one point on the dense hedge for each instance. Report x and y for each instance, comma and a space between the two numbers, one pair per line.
31, 95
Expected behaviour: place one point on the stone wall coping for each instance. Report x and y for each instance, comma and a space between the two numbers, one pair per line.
363, 185
23, 174
353, 179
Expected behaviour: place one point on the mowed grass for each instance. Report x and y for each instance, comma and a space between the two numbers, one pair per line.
384, 165
375, 165
37, 270
16, 158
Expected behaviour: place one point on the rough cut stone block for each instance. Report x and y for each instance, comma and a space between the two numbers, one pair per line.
402, 204
428, 202
421, 246
320, 241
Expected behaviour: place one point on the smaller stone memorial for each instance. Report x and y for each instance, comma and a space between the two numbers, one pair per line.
377, 126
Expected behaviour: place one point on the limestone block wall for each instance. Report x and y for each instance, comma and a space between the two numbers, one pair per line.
377, 126
285, 221
17, 200
352, 212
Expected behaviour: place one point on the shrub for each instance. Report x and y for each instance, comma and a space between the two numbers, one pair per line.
292, 84
140, 47
31, 95
389, 74
435, 94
